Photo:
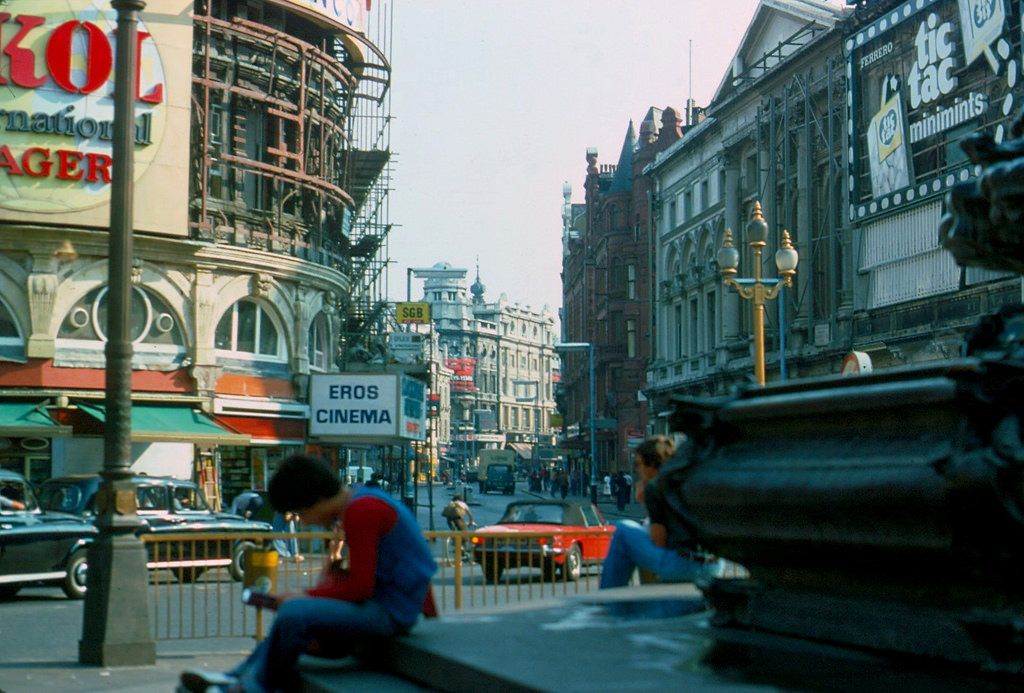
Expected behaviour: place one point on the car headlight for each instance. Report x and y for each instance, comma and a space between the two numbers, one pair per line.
547, 544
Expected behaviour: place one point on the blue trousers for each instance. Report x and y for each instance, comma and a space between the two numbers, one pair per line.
332, 625
632, 548
286, 548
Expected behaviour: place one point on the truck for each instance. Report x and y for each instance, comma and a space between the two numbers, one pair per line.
497, 471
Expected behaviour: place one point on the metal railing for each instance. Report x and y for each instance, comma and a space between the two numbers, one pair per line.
200, 599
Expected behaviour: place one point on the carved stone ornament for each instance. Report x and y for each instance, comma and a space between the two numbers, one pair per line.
330, 304
262, 284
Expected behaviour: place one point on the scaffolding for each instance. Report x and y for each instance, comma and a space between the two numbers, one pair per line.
291, 134
800, 145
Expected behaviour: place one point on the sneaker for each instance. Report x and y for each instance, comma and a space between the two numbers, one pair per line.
201, 681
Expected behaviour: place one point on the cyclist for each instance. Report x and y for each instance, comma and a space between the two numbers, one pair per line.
456, 517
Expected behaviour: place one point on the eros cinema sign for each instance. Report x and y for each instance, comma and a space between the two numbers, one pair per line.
57, 108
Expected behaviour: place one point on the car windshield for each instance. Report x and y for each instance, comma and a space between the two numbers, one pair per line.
15, 495
65, 498
532, 512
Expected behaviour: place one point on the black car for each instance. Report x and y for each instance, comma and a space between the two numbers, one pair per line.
167, 505
39, 547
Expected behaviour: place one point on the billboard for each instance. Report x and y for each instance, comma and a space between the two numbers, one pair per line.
921, 77
350, 14
56, 155
367, 408
463, 374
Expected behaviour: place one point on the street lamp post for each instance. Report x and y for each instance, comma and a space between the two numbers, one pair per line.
115, 626
759, 290
588, 346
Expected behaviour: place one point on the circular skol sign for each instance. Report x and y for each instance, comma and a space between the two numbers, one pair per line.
57, 109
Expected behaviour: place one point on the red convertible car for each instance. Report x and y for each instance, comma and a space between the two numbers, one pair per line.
559, 537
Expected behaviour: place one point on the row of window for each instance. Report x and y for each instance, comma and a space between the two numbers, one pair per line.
696, 198
693, 325
247, 331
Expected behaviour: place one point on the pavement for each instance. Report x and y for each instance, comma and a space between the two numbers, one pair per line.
645, 638
53, 675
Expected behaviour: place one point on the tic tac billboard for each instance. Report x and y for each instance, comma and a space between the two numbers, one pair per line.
921, 77
367, 408
57, 113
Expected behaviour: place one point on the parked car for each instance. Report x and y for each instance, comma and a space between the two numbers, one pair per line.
579, 536
167, 505
39, 547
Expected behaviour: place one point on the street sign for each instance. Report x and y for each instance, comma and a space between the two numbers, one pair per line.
413, 313
407, 347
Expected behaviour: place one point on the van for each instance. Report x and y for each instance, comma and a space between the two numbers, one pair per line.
500, 478
489, 458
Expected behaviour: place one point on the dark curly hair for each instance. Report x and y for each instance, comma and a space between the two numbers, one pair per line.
655, 450
300, 481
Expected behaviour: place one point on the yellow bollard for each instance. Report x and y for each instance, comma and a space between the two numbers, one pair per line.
261, 569
260, 576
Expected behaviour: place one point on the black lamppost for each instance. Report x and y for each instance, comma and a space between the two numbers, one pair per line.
116, 627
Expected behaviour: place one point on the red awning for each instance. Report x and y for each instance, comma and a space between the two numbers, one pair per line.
265, 430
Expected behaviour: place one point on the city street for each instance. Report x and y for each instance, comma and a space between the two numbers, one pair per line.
41, 628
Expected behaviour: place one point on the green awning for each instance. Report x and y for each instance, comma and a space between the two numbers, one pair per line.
28, 419
182, 424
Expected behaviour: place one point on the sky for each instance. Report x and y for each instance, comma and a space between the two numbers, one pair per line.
494, 105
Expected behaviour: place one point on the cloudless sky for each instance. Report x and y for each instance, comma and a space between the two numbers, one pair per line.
495, 104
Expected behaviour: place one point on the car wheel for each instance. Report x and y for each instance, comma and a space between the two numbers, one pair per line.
572, 566
75, 580
492, 574
237, 568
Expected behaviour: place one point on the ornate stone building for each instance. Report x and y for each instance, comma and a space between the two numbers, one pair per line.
262, 169
502, 365
829, 119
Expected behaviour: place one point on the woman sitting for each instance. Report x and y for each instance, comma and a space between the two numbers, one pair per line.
670, 555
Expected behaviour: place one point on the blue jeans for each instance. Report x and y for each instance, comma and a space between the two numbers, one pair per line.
331, 625
632, 548
286, 548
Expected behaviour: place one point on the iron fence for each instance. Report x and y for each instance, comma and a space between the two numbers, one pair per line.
201, 598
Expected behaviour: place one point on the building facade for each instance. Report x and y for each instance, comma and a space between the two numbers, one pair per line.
844, 124
501, 366
262, 169
608, 275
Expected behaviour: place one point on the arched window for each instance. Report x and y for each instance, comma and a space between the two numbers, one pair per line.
319, 346
12, 344
158, 341
247, 331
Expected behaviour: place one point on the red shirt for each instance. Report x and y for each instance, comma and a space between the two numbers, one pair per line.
365, 521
